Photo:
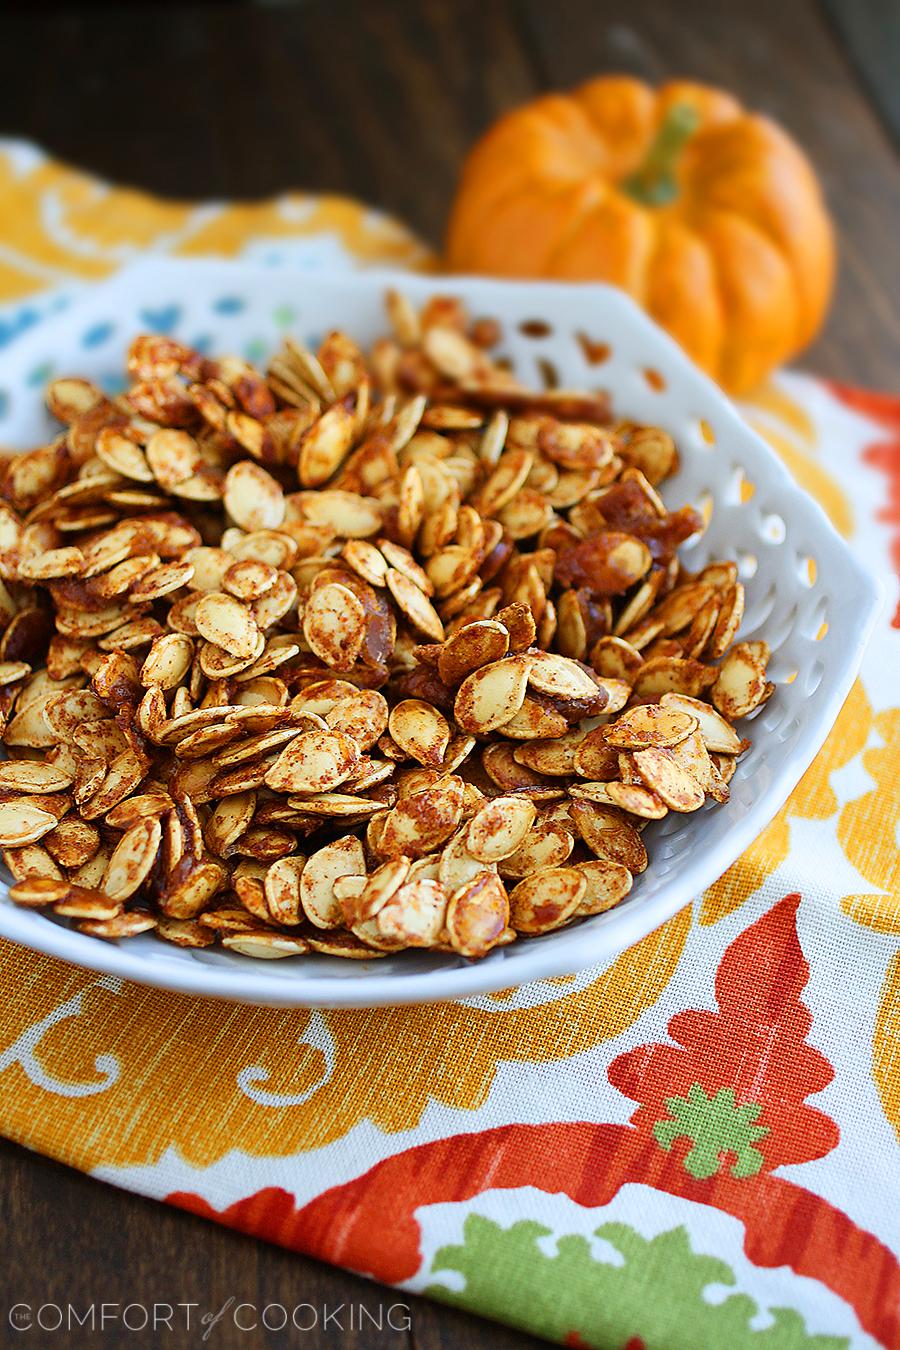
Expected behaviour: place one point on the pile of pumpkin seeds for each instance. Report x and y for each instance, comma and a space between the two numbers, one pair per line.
362, 653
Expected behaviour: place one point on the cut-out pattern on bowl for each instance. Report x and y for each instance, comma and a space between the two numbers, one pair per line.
595, 353
549, 374
773, 529
535, 328
800, 576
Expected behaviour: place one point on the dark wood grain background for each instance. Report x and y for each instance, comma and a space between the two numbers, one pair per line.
380, 99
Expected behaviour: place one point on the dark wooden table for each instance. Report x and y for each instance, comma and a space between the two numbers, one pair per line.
380, 100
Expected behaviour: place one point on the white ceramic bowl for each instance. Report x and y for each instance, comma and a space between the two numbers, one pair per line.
235, 307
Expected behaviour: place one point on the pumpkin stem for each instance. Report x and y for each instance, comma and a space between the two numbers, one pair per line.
654, 183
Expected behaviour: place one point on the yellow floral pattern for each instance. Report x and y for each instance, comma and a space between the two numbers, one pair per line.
59, 224
868, 833
886, 1045
812, 799
272, 1082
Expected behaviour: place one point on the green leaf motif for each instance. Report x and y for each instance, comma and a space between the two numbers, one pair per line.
715, 1125
654, 1295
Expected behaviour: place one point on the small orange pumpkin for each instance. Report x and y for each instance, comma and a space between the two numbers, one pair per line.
709, 215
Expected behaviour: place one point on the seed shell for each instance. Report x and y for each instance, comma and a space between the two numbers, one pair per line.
546, 900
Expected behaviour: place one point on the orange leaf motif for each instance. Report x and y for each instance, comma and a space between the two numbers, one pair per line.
754, 1045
